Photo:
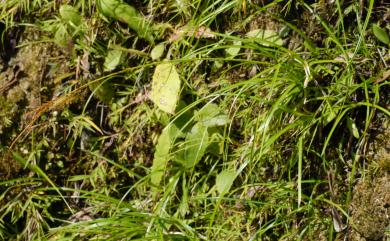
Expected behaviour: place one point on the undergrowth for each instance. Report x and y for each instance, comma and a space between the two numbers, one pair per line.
261, 132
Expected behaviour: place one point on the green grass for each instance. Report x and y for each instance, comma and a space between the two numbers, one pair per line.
293, 120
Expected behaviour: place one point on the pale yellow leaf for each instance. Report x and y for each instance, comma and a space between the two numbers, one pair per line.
165, 87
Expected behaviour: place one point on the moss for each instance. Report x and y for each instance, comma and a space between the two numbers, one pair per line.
371, 208
21, 83
379, 148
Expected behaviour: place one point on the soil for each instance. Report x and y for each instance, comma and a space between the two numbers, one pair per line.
370, 216
26, 81
370, 207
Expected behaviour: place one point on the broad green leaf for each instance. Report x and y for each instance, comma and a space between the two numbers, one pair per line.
225, 181
265, 37
195, 146
219, 120
165, 87
234, 50
70, 15
113, 59
207, 112
380, 34
353, 128
123, 12
211, 116
157, 52
162, 153
61, 36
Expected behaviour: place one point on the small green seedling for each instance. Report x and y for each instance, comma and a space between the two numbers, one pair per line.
381, 34
194, 143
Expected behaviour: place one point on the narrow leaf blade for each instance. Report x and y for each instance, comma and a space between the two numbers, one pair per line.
162, 153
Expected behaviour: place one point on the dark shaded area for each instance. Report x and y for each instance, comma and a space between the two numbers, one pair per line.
9, 39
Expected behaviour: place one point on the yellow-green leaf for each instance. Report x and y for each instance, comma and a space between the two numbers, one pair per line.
234, 49
165, 87
353, 128
113, 59
61, 36
157, 52
70, 15
225, 181
265, 37
211, 116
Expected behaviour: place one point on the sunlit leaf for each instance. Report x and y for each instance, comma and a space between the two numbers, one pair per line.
219, 120
91, 123
70, 15
165, 87
157, 52
61, 36
225, 181
353, 128
265, 37
234, 50
211, 116
380, 34
208, 111
113, 59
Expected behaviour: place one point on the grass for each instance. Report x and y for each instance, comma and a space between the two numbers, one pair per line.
267, 143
